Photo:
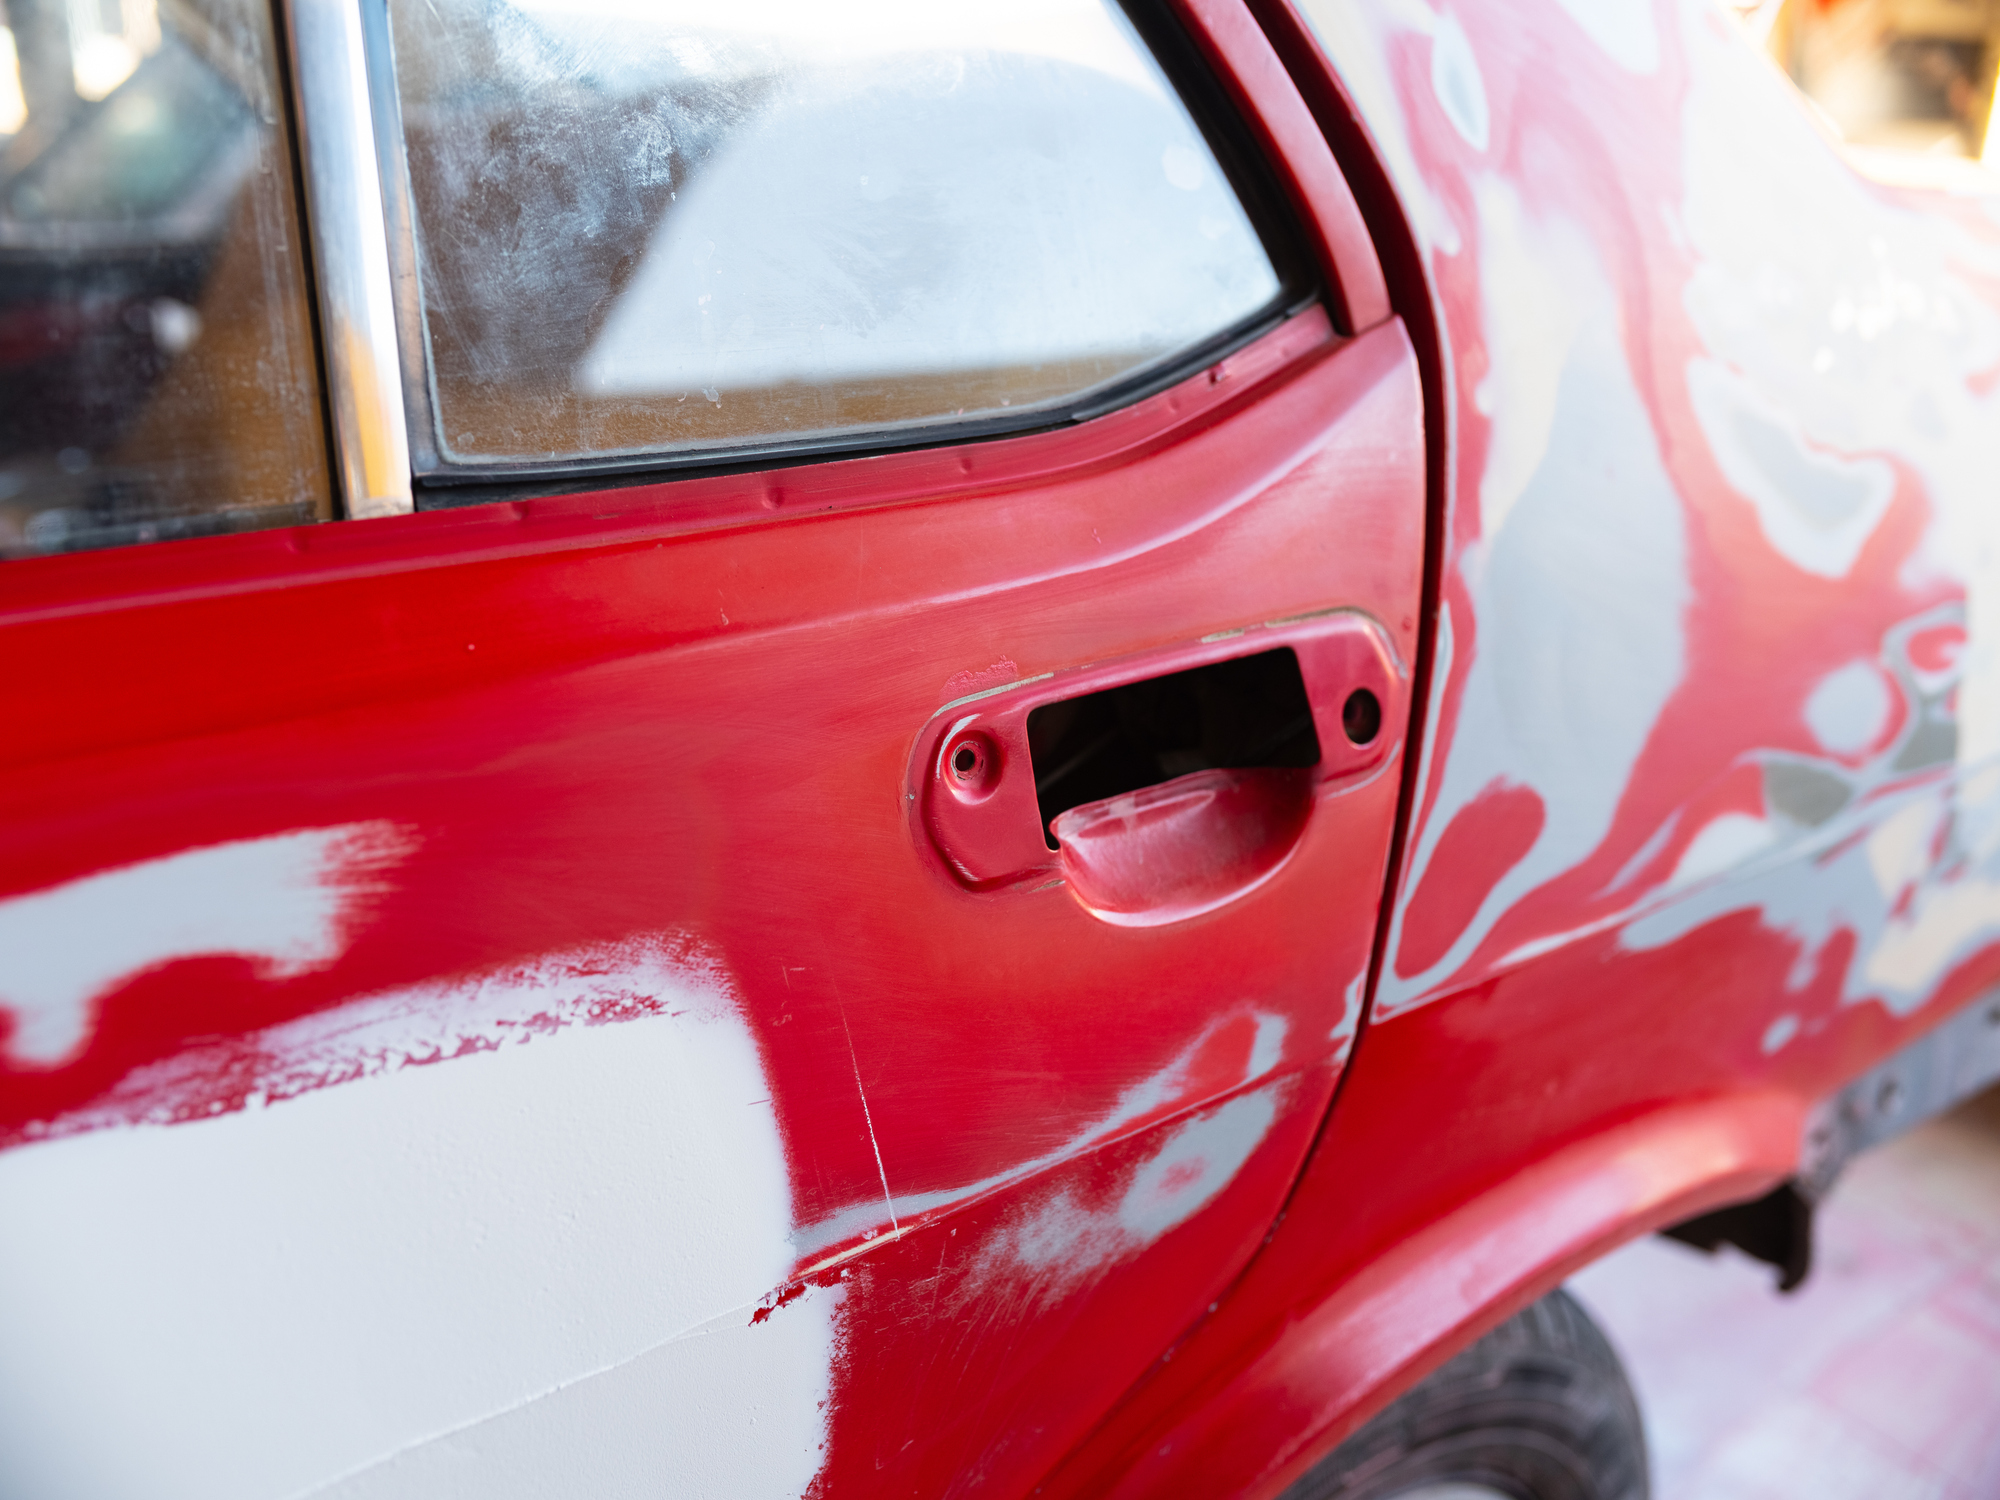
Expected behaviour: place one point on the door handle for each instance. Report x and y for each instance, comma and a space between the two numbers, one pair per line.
1005, 801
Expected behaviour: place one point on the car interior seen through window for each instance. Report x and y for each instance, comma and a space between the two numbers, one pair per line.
661, 228
156, 355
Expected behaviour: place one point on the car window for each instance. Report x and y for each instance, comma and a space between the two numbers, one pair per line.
660, 226
156, 358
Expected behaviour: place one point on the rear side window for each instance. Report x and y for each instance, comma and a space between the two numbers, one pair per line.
660, 227
156, 358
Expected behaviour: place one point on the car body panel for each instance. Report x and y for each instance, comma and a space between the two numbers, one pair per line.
528, 998
1702, 828
531, 1032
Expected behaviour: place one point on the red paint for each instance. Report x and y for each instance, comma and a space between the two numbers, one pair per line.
1938, 649
729, 710
1488, 838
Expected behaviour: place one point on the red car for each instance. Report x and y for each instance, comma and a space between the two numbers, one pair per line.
954, 749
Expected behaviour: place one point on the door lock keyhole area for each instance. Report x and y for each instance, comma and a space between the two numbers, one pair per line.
971, 766
1361, 717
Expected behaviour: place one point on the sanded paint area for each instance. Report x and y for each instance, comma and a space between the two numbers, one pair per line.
1879, 1378
453, 1237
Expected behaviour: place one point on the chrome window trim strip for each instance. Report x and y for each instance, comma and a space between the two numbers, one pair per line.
400, 218
349, 236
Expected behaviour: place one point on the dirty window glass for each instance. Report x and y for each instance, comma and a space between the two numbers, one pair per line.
654, 225
156, 358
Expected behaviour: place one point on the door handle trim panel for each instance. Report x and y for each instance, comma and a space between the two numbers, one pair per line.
971, 780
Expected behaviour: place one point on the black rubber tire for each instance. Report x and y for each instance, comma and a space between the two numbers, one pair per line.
1539, 1409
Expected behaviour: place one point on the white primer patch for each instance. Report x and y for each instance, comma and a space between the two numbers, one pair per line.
283, 902
1917, 891
1581, 596
1063, 1241
1816, 509
1349, 1025
1778, 1035
1916, 949
1849, 709
1528, 274
1899, 848
1723, 843
738, 1386
268, 1301
1622, 29
1461, 92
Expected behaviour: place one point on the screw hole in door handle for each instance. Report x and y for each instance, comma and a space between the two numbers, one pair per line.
974, 762
1161, 785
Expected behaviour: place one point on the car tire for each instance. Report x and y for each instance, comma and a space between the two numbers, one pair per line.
1539, 1409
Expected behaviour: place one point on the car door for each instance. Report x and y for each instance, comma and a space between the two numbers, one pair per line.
791, 927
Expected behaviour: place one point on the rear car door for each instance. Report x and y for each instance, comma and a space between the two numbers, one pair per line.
791, 927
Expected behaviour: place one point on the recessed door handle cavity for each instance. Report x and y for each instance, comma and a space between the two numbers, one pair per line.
1166, 783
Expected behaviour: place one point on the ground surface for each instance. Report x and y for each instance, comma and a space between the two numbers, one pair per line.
1877, 1380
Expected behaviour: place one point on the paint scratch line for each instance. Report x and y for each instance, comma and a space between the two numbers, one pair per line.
728, 1322
869, 1120
937, 1281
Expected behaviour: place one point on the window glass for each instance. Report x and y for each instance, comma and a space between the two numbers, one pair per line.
657, 225
156, 355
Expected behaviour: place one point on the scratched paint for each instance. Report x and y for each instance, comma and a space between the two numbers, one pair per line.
1246, 1045
450, 1225
1061, 1240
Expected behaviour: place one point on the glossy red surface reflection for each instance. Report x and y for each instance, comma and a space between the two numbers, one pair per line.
583, 974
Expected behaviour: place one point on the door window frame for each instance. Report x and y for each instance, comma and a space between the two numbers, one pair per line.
362, 237
375, 297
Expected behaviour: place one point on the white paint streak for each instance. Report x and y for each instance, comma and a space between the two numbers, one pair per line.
283, 902
1529, 274
1722, 844
1850, 708
1622, 29
469, 1265
1778, 1035
1063, 1240
1916, 949
1862, 321
1899, 849
1344, 1030
1816, 508
1580, 592
1461, 93
1268, 1049
1174, 1087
